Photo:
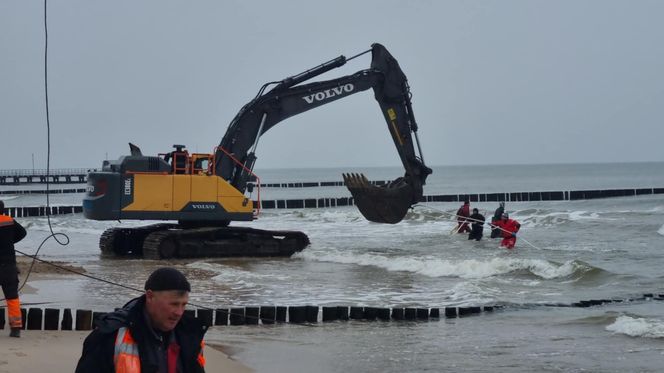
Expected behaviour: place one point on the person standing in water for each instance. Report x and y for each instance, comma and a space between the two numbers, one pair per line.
462, 214
495, 232
477, 224
508, 227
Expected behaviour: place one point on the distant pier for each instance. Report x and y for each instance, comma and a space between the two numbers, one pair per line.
41, 176
23, 212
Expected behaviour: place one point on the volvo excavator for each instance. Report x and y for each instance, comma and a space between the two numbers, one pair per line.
205, 192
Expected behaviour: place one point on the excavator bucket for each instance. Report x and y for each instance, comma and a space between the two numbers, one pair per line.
380, 204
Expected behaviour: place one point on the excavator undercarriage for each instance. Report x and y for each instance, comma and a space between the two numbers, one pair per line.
165, 241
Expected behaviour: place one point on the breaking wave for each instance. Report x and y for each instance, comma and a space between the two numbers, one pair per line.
637, 327
661, 230
541, 217
467, 268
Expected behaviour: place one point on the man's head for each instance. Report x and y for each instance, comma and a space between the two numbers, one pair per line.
476, 211
505, 216
502, 204
466, 202
166, 295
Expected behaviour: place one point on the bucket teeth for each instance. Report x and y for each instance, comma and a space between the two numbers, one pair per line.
356, 181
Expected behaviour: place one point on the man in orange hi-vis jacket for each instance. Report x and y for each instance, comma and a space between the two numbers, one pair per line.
151, 333
10, 233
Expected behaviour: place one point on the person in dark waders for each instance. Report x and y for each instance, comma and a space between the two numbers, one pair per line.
462, 214
10, 233
495, 232
151, 333
477, 224
508, 227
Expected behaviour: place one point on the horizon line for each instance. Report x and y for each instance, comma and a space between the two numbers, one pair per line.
393, 166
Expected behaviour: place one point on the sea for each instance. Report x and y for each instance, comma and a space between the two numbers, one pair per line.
567, 251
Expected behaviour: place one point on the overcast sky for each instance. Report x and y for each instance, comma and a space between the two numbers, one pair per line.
493, 82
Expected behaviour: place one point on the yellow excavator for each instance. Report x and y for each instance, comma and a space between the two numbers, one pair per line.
205, 192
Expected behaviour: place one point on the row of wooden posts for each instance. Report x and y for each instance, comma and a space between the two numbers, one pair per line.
20, 212
569, 195
49, 318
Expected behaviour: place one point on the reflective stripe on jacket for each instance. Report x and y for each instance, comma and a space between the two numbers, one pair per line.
6, 220
201, 357
126, 357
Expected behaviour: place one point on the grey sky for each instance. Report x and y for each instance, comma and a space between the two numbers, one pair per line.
493, 82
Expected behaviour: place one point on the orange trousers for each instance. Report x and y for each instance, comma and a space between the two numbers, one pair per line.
14, 313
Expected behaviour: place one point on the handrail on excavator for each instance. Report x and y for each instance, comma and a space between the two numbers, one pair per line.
257, 208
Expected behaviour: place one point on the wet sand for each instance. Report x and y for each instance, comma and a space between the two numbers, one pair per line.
24, 263
39, 271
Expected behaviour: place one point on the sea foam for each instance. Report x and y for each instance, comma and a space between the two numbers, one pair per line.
637, 327
468, 268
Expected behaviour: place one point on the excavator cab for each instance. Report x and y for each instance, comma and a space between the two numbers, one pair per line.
183, 163
201, 163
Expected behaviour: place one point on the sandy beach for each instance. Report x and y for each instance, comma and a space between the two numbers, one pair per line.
59, 351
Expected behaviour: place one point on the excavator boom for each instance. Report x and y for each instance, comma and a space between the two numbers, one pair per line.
383, 204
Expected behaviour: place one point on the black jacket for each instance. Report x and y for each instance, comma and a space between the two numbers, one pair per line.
99, 346
477, 220
498, 214
10, 233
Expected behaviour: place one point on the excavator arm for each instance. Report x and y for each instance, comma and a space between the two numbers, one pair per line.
384, 204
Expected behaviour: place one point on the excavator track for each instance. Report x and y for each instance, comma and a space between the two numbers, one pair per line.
127, 241
165, 241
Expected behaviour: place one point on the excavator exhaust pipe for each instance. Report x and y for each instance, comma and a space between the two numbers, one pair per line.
381, 204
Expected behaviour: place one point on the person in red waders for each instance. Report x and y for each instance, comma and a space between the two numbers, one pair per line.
508, 227
10, 233
462, 214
